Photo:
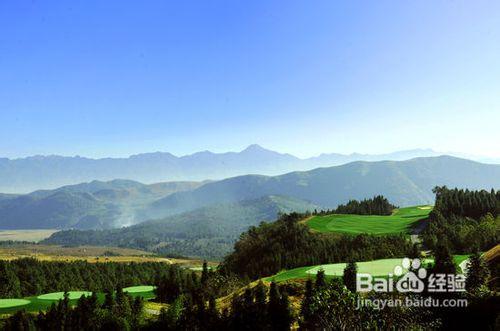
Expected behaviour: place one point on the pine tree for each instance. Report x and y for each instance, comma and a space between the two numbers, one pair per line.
10, 286
109, 300
280, 316
478, 275
444, 263
305, 309
320, 279
204, 273
349, 277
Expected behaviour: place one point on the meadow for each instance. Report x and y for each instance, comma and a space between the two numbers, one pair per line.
403, 220
25, 235
91, 254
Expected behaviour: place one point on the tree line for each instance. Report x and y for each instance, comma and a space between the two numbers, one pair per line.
28, 276
465, 221
118, 312
378, 205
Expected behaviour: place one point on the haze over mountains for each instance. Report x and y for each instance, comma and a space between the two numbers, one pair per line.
208, 231
48, 172
101, 205
91, 205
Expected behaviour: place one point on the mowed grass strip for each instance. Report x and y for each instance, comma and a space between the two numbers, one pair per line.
73, 295
139, 289
401, 221
381, 267
11, 303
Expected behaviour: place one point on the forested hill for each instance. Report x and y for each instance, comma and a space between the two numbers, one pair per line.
207, 232
404, 183
84, 206
121, 203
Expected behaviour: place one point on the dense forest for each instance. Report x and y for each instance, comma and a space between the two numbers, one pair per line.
27, 277
465, 221
377, 205
118, 312
323, 305
288, 243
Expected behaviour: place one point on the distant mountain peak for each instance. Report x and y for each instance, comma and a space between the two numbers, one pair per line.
47, 172
255, 148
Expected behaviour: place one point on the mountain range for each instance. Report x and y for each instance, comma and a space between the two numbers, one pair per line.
207, 232
118, 203
84, 206
404, 183
25, 175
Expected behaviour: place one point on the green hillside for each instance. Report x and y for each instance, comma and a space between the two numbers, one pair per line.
209, 232
403, 220
404, 183
94, 205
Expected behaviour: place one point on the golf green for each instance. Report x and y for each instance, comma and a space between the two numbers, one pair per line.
10, 303
375, 268
401, 221
60, 295
381, 267
139, 289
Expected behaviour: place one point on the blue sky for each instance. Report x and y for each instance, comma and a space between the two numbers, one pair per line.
114, 78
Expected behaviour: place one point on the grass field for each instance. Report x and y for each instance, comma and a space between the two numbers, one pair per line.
11, 303
91, 254
375, 268
403, 220
73, 295
139, 289
43, 302
25, 235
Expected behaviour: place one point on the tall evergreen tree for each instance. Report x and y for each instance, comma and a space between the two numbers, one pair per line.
320, 279
478, 275
349, 277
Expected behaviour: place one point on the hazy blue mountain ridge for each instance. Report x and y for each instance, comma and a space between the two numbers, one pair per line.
48, 172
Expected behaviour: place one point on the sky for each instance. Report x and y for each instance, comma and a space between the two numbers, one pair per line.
115, 78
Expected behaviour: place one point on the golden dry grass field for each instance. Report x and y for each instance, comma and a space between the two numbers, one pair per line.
91, 254
25, 235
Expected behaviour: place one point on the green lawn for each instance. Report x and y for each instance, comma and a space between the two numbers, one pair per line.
43, 302
73, 295
10, 303
401, 221
139, 289
375, 268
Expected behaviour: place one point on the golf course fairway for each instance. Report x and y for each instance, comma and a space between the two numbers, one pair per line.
381, 267
74, 295
401, 221
11, 303
139, 289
